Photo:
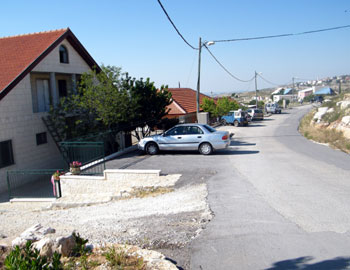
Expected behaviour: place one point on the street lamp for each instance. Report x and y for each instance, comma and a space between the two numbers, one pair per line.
206, 43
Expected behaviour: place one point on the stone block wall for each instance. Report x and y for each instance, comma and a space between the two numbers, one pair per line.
111, 184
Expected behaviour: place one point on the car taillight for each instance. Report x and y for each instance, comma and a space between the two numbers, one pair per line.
224, 138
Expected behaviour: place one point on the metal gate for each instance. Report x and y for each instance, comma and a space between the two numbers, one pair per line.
90, 154
32, 184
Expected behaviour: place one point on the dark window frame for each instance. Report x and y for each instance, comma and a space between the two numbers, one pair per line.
63, 52
11, 160
62, 88
41, 138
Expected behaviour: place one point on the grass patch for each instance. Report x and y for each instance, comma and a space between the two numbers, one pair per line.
143, 192
119, 259
82, 258
321, 134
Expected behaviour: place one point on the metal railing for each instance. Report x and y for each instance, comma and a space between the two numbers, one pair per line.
90, 154
32, 184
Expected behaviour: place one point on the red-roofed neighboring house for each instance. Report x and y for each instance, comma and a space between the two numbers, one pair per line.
184, 105
35, 71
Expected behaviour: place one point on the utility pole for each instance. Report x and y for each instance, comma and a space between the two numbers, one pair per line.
199, 75
256, 90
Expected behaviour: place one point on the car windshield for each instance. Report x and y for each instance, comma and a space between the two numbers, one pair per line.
209, 128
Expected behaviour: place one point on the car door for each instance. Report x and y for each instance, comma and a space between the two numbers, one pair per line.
192, 137
172, 139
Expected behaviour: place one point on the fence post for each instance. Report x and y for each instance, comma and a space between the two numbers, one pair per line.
58, 188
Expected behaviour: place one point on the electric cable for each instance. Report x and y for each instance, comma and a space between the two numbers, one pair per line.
276, 84
178, 32
284, 35
222, 66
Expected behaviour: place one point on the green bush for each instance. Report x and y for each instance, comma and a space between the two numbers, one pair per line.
331, 117
80, 245
27, 258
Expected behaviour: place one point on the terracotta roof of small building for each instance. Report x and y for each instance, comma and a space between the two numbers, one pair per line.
20, 54
184, 100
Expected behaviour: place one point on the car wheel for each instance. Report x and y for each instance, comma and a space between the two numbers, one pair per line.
152, 149
205, 149
235, 123
224, 122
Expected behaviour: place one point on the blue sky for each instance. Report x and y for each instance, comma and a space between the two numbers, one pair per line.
136, 35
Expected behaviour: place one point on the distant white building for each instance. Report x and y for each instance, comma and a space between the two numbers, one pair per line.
291, 98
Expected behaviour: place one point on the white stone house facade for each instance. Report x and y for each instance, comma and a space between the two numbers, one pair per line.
28, 90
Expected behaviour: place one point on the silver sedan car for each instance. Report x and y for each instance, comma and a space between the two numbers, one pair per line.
199, 137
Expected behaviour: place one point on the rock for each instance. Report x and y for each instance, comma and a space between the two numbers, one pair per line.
330, 110
34, 233
46, 247
346, 120
19, 241
65, 245
320, 112
344, 104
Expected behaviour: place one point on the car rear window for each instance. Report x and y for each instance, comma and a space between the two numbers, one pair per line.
259, 111
209, 128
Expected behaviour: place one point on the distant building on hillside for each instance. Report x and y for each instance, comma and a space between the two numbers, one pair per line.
325, 91
305, 92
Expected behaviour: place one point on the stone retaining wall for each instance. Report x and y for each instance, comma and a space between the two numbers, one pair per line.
111, 184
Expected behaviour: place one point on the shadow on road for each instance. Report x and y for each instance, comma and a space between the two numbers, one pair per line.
268, 119
241, 143
255, 125
301, 263
235, 152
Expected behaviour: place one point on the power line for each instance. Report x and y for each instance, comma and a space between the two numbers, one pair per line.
178, 32
221, 65
284, 35
276, 84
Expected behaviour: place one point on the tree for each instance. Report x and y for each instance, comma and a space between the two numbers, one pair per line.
224, 105
110, 100
261, 103
209, 105
147, 103
221, 107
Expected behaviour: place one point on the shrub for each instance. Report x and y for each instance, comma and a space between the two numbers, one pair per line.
27, 258
80, 245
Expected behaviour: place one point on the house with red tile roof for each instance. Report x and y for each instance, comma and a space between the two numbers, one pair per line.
36, 70
184, 104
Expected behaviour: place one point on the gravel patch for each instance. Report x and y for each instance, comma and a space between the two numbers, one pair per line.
165, 222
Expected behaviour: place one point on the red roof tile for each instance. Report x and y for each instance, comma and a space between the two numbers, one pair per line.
18, 52
186, 99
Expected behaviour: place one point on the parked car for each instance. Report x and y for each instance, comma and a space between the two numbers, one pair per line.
273, 108
256, 114
199, 137
249, 118
236, 118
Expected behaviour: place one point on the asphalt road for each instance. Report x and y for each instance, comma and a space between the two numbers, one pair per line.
279, 201
282, 202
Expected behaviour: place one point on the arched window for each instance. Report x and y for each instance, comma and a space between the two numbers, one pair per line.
63, 54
